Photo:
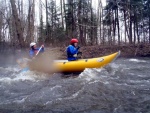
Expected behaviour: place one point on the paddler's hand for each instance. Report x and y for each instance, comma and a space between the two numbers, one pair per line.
43, 46
75, 55
78, 47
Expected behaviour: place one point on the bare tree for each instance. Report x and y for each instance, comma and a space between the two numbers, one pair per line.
31, 15
62, 13
17, 21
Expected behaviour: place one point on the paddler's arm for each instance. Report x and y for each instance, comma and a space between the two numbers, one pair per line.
73, 50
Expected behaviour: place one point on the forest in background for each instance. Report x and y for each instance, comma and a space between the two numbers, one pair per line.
120, 22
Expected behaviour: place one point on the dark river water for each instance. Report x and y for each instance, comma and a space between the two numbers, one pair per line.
121, 87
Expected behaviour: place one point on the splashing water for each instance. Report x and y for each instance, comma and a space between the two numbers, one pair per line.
121, 87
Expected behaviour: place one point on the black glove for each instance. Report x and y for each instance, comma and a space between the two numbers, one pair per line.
79, 54
78, 47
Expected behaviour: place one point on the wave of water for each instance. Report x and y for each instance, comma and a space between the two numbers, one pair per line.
121, 87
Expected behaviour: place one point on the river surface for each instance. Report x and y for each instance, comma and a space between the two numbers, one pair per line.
121, 87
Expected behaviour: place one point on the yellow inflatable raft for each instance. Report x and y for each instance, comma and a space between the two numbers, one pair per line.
80, 65
66, 66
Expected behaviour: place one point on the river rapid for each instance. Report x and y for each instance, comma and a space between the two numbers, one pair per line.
121, 87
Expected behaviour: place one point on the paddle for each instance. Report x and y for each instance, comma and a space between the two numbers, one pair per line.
39, 50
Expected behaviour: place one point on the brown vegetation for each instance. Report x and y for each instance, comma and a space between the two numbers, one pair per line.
96, 51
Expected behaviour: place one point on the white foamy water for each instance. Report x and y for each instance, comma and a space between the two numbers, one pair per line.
15, 74
136, 60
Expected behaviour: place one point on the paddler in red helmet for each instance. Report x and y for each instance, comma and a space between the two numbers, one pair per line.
72, 50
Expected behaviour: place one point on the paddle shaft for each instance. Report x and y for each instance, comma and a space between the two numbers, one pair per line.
39, 51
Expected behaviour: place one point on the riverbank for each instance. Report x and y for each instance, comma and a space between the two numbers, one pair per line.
127, 51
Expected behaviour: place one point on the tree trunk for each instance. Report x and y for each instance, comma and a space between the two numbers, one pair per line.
47, 24
100, 19
118, 27
1, 24
149, 26
18, 25
125, 24
62, 21
130, 27
134, 31
137, 31
30, 33
114, 28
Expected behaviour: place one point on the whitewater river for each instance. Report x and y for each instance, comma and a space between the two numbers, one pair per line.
121, 87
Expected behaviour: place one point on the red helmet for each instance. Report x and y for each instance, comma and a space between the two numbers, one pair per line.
73, 41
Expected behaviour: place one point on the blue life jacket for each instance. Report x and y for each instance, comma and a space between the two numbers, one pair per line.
71, 50
33, 52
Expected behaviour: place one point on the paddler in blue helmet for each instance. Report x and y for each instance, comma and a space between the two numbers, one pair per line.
34, 50
72, 50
